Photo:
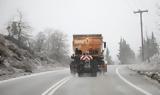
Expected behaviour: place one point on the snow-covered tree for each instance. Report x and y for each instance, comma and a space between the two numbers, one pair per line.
126, 54
150, 47
19, 29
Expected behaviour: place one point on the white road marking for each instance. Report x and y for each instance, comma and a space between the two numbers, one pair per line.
54, 90
131, 84
57, 85
32, 75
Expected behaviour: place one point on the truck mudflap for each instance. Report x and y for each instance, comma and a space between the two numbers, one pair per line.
103, 68
73, 68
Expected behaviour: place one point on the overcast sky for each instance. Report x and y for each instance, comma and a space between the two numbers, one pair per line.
112, 18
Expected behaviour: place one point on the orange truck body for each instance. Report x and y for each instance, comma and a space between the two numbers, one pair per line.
88, 42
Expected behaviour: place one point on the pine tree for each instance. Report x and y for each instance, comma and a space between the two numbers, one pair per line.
150, 47
108, 57
126, 55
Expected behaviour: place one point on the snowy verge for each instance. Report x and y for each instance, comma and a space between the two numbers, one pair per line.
150, 70
39, 69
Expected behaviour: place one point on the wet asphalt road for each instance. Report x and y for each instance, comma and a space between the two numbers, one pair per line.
119, 80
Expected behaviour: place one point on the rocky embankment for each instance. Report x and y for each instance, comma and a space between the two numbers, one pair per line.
15, 61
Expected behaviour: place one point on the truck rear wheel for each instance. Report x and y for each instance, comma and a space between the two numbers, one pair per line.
79, 74
94, 74
73, 73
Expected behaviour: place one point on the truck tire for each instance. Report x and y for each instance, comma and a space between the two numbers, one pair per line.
73, 73
94, 74
79, 74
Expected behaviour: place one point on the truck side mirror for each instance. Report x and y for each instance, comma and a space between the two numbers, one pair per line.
104, 44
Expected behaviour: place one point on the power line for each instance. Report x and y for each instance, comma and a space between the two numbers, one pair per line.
141, 23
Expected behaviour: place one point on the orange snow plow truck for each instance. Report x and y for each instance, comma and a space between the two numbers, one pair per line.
88, 54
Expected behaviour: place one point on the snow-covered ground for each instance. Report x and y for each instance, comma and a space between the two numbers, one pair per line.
150, 69
39, 69
145, 67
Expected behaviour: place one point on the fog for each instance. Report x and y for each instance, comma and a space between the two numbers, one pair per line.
114, 19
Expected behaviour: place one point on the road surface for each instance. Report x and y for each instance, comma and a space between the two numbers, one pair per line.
119, 80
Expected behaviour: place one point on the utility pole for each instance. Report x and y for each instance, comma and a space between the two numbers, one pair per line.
141, 23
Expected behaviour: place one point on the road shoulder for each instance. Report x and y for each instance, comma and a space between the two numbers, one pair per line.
140, 80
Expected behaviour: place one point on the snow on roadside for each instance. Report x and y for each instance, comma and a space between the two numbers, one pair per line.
7, 72
38, 70
145, 67
150, 69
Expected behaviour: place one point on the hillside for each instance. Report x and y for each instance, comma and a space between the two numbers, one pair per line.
15, 61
